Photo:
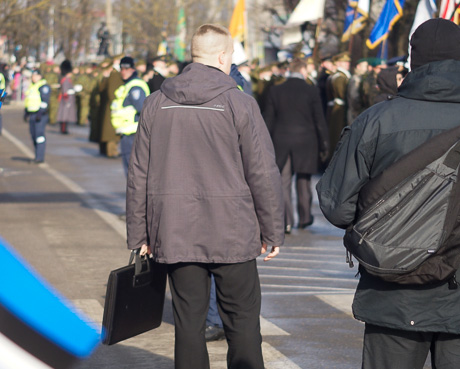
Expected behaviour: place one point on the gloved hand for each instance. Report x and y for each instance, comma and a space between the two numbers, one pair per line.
26, 116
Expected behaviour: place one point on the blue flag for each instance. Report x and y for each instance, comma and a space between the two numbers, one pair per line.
356, 17
391, 13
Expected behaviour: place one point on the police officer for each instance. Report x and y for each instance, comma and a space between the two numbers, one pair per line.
126, 107
36, 106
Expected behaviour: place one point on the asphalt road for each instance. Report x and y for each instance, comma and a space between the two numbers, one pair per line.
63, 218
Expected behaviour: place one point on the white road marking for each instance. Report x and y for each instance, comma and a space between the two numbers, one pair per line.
95, 311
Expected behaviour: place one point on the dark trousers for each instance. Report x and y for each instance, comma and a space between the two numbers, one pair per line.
397, 349
37, 132
238, 301
304, 195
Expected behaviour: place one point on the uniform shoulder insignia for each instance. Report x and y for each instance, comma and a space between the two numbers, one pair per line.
136, 94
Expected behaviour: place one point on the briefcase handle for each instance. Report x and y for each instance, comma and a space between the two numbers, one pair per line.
140, 278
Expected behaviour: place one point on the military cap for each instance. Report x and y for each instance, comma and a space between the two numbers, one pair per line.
345, 57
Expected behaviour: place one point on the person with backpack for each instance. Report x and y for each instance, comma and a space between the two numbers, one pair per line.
403, 321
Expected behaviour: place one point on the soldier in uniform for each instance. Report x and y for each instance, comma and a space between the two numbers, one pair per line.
67, 110
108, 139
354, 98
160, 73
94, 106
126, 107
52, 77
327, 69
84, 95
336, 89
369, 89
36, 111
311, 72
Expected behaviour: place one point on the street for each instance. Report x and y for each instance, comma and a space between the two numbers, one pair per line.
63, 217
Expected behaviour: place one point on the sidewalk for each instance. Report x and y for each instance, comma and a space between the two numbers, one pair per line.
73, 237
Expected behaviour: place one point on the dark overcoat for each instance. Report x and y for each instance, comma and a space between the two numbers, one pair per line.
296, 122
107, 89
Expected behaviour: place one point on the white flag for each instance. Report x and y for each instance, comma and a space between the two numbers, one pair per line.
425, 10
306, 10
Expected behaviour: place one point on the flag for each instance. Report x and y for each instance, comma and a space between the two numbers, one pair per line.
305, 11
39, 328
391, 12
426, 9
447, 10
237, 23
356, 17
162, 48
179, 45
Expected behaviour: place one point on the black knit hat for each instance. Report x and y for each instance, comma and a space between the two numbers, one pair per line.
66, 67
127, 62
434, 40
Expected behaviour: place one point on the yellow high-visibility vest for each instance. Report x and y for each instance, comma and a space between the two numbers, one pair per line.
123, 116
33, 101
2, 81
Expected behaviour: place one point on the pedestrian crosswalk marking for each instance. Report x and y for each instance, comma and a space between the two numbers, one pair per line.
274, 359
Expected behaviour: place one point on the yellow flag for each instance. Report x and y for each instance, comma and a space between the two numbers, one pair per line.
237, 22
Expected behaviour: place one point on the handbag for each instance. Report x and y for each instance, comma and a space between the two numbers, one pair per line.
134, 300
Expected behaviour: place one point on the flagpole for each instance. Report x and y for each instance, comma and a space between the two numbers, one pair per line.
315, 49
453, 13
350, 43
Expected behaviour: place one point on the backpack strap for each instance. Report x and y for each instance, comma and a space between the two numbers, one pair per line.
410, 164
452, 159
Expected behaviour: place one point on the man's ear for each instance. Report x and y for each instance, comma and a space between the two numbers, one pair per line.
222, 58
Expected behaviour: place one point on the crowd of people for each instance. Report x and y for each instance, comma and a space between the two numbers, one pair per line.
343, 93
209, 174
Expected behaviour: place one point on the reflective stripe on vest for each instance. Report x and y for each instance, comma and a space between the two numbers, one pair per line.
33, 99
123, 116
2, 82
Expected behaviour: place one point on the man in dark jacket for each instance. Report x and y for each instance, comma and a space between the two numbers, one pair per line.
403, 322
204, 195
296, 123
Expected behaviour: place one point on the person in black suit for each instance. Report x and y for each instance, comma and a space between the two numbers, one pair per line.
296, 122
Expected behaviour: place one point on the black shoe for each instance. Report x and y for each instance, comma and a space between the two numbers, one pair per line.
288, 229
38, 161
305, 225
214, 333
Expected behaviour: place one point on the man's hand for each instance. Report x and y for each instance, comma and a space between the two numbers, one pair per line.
275, 251
145, 250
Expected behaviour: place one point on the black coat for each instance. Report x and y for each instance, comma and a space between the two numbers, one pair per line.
295, 119
427, 104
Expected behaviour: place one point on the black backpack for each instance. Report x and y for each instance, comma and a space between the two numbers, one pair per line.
408, 228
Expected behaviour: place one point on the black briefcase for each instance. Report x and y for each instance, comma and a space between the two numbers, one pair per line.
134, 300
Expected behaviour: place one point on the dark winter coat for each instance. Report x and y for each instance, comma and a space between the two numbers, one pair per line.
296, 122
203, 185
427, 104
107, 89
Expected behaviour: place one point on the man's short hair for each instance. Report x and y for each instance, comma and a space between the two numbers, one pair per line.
207, 40
296, 65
